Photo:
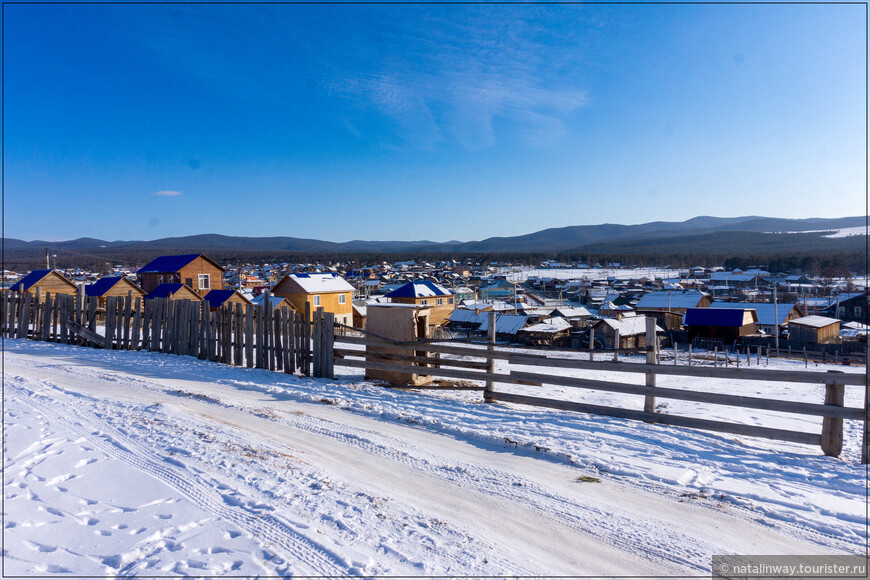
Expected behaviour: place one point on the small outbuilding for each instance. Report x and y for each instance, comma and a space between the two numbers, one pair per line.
814, 330
426, 293
219, 298
630, 332
113, 286
45, 281
399, 322
552, 332
174, 292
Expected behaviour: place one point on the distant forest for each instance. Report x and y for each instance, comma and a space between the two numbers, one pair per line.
829, 262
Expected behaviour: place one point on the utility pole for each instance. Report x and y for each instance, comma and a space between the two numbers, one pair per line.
47, 264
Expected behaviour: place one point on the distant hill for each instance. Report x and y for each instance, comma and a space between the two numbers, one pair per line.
703, 234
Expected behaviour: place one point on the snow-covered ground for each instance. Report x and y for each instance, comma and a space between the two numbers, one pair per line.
835, 233
126, 463
521, 274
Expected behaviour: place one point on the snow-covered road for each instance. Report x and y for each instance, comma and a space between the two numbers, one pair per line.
149, 464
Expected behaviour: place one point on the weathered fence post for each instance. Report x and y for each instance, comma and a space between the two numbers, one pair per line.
249, 336
490, 362
832, 428
328, 333
616, 346
649, 402
591, 342
306, 341
317, 343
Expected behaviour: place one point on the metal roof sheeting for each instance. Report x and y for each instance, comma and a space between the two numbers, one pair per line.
552, 325
814, 321
629, 326
168, 263
422, 289
164, 290
216, 298
101, 286
25, 283
506, 323
767, 315
671, 299
731, 317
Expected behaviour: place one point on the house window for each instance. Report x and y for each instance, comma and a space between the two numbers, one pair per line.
203, 281
189, 282
857, 312
450, 301
424, 301
160, 279
439, 301
342, 298
315, 300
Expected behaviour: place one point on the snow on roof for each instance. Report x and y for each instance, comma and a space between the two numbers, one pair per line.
629, 326
506, 323
552, 325
767, 314
422, 289
468, 316
577, 312
317, 283
671, 299
814, 321
274, 301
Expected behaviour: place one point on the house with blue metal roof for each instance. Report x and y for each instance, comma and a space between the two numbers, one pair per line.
725, 324
197, 271
772, 318
45, 282
174, 292
113, 286
426, 293
672, 301
218, 298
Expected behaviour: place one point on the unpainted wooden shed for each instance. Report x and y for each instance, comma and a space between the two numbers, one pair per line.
399, 322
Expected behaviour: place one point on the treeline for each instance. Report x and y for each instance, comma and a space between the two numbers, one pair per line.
796, 260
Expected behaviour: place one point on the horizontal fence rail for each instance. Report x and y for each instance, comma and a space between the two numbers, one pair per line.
417, 358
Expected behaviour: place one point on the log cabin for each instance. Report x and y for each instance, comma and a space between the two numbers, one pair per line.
174, 292
113, 286
44, 281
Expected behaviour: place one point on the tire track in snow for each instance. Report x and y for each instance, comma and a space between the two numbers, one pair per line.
265, 527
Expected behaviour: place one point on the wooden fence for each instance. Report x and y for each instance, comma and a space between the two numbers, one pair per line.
250, 335
831, 409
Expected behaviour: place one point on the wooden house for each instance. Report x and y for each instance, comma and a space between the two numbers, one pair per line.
630, 332
552, 332
814, 330
219, 298
113, 286
174, 292
329, 291
725, 324
196, 271
44, 281
851, 307
359, 313
426, 293
672, 301
772, 318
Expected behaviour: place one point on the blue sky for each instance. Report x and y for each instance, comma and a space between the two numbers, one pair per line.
437, 122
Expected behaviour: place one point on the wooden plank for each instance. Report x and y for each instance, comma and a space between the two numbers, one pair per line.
705, 372
291, 342
431, 371
46, 318
277, 327
649, 402
695, 396
429, 347
93, 303
128, 299
490, 348
672, 420
832, 428
249, 335
137, 324
238, 334
306, 341
86, 334
110, 324
423, 360
329, 345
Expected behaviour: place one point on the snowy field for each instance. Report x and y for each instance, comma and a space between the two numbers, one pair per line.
521, 274
126, 463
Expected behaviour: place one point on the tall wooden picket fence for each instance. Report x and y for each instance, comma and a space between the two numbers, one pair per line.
250, 335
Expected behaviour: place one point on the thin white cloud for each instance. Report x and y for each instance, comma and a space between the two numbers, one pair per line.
167, 193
